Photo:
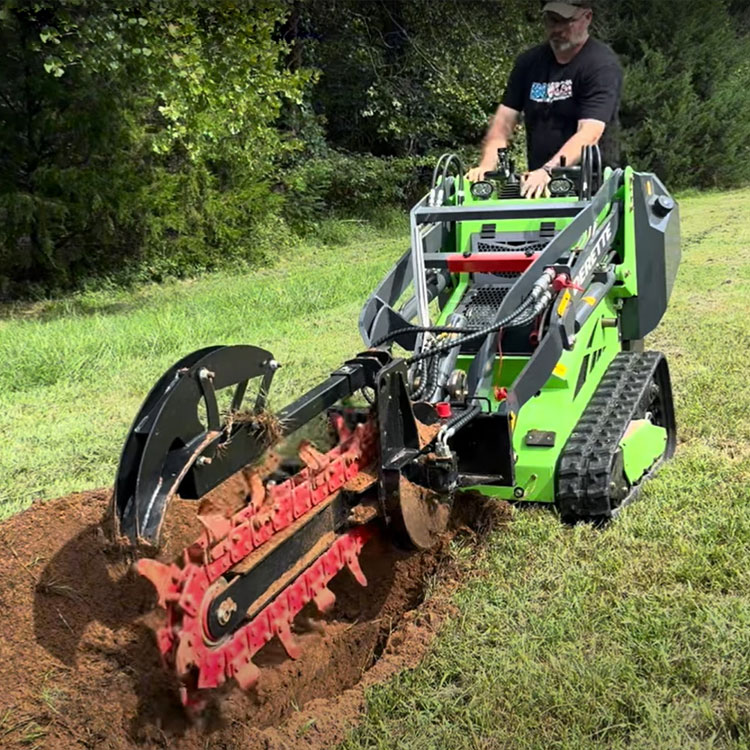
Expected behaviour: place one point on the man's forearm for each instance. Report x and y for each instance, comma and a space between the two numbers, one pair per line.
489, 151
572, 148
498, 136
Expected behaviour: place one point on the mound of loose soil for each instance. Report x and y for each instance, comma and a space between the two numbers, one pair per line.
79, 666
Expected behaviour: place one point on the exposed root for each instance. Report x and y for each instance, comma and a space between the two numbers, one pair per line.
268, 424
269, 428
55, 587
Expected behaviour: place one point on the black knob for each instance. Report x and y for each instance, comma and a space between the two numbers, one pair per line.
661, 205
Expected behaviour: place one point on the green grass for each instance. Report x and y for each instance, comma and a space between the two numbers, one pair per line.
639, 636
75, 371
635, 637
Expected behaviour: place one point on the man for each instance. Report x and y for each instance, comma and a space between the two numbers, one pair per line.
569, 92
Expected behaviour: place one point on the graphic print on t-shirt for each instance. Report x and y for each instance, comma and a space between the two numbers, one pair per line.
556, 91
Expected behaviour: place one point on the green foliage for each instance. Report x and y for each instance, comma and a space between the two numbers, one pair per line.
138, 136
409, 77
156, 138
353, 185
403, 78
686, 104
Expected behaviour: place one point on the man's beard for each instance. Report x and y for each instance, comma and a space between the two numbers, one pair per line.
565, 45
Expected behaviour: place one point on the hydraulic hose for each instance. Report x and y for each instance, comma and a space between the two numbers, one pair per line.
448, 430
433, 185
460, 180
504, 323
420, 329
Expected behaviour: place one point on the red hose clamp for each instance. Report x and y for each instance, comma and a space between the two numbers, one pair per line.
562, 281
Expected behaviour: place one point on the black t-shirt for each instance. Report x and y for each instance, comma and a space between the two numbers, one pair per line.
554, 97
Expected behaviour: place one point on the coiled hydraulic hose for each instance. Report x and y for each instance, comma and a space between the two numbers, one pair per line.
508, 321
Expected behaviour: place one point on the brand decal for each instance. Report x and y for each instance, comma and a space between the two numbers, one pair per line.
555, 91
604, 241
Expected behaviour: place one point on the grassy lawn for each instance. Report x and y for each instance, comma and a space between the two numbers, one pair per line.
635, 637
75, 371
638, 637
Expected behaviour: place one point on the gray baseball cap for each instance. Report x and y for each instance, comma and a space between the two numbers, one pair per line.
567, 9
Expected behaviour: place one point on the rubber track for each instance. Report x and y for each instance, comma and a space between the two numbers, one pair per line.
585, 465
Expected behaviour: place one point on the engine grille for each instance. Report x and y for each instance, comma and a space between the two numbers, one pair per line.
483, 245
481, 303
510, 190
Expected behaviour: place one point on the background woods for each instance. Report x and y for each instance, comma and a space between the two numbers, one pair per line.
141, 140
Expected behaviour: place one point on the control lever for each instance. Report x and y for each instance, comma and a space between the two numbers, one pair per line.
506, 168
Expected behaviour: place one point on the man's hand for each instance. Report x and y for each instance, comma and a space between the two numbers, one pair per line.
534, 184
475, 174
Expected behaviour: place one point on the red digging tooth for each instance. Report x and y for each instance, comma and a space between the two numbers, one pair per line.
288, 641
257, 490
239, 664
312, 458
212, 666
216, 526
163, 577
352, 562
324, 600
165, 639
281, 618
339, 424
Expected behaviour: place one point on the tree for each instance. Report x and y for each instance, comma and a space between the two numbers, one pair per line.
140, 129
686, 105
402, 77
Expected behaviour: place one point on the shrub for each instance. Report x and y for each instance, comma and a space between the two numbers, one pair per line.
350, 185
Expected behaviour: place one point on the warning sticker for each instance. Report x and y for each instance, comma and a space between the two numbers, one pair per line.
564, 302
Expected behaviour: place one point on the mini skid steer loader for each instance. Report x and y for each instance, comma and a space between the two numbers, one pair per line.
504, 355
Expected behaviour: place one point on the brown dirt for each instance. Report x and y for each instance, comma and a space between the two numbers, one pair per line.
79, 665
427, 433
